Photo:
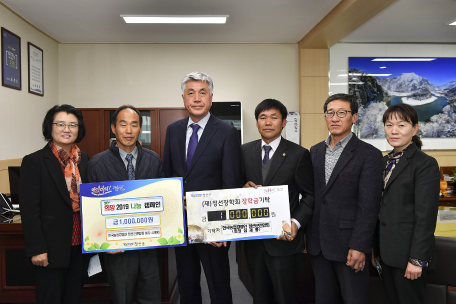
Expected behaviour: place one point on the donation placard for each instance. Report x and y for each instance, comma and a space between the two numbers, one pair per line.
238, 214
132, 214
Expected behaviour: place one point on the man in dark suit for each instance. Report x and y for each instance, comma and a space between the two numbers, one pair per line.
205, 151
348, 186
273, 161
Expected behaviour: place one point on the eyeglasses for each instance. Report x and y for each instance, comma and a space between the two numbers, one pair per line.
60, 126
340, 113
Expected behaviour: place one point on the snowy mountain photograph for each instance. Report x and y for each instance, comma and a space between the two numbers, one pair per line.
427, 84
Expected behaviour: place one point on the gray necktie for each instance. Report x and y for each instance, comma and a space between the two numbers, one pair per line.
130, 168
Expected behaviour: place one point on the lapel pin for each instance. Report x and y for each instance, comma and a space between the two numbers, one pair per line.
284, 154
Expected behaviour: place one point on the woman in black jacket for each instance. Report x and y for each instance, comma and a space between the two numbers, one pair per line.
49, 202
408, 210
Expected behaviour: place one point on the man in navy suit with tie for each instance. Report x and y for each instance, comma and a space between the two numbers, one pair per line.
206, 152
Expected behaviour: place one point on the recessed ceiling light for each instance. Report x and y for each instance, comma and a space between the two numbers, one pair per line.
383, 67
452, 23
404, 59
175, 19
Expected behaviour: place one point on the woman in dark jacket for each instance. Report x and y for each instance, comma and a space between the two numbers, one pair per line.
408, 210
49, 200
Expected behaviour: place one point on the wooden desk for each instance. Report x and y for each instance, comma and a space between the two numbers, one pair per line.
17, 278
449, 201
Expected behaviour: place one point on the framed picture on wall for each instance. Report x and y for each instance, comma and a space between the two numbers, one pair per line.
11, 60
426, 84
35, 70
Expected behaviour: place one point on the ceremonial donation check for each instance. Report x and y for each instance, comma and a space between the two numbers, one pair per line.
238, 214
132, 214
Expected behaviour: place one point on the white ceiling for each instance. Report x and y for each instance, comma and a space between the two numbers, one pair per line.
99, 21
250, 21
410, 21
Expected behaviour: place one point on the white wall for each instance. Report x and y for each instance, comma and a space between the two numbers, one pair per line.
22, 112
338, 58
149, 75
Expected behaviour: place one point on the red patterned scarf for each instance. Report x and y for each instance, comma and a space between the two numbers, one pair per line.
71, 171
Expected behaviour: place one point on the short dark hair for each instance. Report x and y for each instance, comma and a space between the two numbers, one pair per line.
114, 116
269, 104
49, 120
405, 112
344, 97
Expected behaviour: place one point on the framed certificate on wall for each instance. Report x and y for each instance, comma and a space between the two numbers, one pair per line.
11, 60
35, 70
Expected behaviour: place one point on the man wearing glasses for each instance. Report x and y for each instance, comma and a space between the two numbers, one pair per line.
348, 187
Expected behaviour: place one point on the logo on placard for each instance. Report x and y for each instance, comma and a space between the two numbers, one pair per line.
201, 195
101, 190
128, 244
108, 206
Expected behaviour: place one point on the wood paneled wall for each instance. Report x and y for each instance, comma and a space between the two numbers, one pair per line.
313, 91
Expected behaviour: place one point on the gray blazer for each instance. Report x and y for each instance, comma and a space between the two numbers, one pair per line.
346, 209
408, 210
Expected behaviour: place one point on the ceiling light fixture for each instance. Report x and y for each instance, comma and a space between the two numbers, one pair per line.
452, 23
175, 19
404, 59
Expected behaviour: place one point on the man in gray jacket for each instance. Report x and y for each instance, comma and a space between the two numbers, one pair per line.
348, 186
134, 270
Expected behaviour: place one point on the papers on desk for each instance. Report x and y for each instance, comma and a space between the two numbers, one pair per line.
94, 265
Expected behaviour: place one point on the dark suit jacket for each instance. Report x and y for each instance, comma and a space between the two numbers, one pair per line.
408, 211
216, 163
46, 210
290, 166
346, 209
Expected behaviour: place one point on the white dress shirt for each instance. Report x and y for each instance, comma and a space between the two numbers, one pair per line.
273, 144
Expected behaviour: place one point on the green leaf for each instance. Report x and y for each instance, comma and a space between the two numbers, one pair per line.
86, 239
179, 230
176, 241
97, 247
162, 241
170, 240
105, 246
92, 248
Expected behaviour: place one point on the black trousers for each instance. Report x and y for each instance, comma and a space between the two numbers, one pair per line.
401, 290
216, 268
61, 285
335, 282
134, 270
274, 277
